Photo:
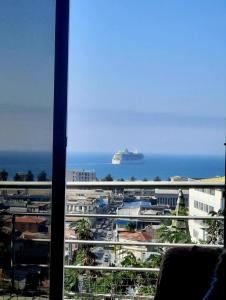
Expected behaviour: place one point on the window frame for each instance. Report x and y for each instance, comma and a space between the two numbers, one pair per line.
59, 150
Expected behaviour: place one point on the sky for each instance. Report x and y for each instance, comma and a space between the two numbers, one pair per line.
147, 75
143, 74
27, 31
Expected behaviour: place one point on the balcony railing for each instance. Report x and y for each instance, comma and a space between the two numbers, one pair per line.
86, 288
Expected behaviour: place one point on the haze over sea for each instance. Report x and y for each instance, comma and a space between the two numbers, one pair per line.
194, 166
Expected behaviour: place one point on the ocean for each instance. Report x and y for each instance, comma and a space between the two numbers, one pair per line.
164, 166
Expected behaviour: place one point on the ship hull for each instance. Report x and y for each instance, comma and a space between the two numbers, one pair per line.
126, 162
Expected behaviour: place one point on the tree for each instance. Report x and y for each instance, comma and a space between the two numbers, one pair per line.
120, 179
215, 230
107, 178
84, 255
29, 176
83, 229
132, 178
3, 175
42, 176
168, 234
157, 178
145, 179
17, 177
130, 226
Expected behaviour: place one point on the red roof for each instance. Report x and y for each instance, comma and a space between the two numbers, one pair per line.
139, 236
31, 219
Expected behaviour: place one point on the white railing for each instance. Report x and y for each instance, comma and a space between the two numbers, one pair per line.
114, 186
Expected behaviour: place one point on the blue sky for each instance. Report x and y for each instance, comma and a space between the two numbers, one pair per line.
147, 74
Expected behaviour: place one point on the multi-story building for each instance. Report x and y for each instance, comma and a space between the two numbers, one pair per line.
201, 203
169, 197
81, 175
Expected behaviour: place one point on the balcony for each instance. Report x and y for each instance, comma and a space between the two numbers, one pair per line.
120, 261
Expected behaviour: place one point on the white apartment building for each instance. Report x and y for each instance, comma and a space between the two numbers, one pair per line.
201, 203
180, 178
80, 175
169, 197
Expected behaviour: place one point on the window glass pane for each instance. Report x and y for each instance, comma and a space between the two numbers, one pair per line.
145, 75
27, 33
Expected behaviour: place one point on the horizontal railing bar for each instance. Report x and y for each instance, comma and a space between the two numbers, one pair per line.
151, 217
144, 184
114, 184
8, 213
91, 242
103, 268
113, 243
118, 296
26, 184
31, 265
33, 240
106, 216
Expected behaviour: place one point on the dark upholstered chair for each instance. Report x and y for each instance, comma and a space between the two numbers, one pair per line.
186, 273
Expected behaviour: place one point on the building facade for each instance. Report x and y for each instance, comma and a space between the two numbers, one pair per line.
81, 175
201, 203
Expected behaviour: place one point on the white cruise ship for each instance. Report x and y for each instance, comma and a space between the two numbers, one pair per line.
127, 157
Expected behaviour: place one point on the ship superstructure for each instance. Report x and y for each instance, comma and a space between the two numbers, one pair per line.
121, 157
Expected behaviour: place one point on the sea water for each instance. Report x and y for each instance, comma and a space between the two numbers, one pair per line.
164, 166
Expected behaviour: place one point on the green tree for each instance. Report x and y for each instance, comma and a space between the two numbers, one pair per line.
130, 226
29, 176
157, 178
107, 178
17, 177
83, 255
3, 175
168, 234
42, 176
71, 281
215, 230
120, 179
82, 229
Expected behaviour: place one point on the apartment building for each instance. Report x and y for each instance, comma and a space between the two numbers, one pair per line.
201, 202
81, 175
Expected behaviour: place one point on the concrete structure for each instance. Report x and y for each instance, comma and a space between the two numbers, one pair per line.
201, 203
180, 178
140, 252
169, 197
85, 201
80, 175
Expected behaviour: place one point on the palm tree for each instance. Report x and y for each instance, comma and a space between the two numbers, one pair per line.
83, 229
84, 255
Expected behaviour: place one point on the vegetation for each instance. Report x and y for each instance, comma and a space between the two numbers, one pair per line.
175, 231
108, 282
168, 234
120, 179
130, 226
107, 178
29, 176
42, 176
3, 175
24, 176
157, 178
17, 177
125, 282
215, 230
